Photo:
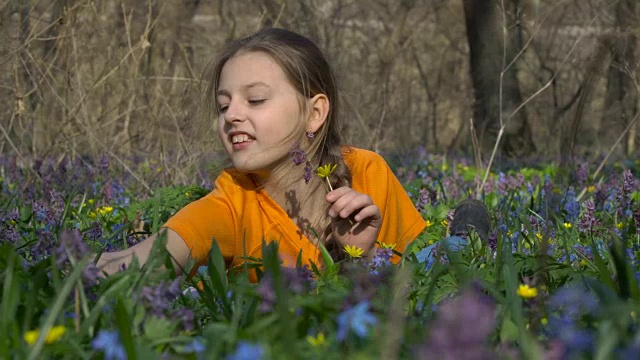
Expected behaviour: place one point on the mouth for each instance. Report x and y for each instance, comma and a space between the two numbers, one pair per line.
239, 138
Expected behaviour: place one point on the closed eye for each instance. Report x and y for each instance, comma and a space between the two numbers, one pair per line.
257, 101
222, 108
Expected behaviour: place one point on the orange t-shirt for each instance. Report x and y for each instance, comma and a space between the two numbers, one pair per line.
236, 212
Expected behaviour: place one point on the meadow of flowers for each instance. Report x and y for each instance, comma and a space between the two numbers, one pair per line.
556, 276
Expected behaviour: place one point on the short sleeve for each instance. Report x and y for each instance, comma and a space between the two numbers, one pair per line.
401, 222
206, 219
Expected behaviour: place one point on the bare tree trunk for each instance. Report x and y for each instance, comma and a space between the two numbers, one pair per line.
484, 33
621, 98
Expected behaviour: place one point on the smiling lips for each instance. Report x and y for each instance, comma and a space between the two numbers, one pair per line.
240, 141
240, 138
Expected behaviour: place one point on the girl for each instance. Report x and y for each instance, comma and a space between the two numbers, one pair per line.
276, 101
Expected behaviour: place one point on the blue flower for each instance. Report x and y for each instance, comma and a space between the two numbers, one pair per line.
109, 342
247, 351
196, 346
357, 318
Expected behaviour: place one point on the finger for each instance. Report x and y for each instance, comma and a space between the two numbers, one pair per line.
370, 213
341, 202
356, 203
337, 193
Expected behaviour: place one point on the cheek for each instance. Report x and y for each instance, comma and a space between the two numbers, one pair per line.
221, 133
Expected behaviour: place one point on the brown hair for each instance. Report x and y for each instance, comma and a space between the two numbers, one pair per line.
308, 71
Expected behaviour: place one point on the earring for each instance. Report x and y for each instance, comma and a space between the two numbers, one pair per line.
310, 134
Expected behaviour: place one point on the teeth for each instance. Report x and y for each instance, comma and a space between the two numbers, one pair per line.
235, 139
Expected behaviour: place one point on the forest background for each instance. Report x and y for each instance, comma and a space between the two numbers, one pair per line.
553, 79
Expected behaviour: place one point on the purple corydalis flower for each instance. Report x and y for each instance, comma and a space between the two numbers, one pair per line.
298, 280
186, 318
628, 182
587, 220
582, 174
70, 244
451, 337
158, 298
308, 172
297, 154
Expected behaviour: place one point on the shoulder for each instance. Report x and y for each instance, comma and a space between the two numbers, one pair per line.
231, 180
361, 160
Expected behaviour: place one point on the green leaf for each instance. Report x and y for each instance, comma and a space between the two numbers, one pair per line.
123, 323
56, 308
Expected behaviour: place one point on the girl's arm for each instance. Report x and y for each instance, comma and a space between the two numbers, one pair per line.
111, 262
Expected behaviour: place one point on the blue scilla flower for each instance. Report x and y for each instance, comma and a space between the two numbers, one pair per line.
356, 318
108, 342
571, 206
196, 346
247, 351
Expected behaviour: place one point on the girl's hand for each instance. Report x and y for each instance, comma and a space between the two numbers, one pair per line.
355, 218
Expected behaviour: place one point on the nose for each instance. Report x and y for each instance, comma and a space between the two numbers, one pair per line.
234, 113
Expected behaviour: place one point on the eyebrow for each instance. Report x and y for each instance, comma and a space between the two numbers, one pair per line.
224, 92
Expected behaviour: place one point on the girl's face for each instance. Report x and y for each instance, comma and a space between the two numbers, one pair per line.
259, 109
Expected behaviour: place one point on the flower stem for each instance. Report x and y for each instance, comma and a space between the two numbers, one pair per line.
329, 183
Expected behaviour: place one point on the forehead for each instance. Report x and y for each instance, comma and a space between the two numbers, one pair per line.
252, 67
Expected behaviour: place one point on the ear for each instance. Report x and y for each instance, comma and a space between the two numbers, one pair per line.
319, 111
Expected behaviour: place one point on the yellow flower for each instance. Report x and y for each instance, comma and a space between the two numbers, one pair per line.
526, 292
567, 225
544, 321
428, 223
316, 341
105, 210
445, 167
444, 222
387, 246
583, 262
326, 170
539, 236
353, 251
620, 225
591, 188
90, 201
54, 334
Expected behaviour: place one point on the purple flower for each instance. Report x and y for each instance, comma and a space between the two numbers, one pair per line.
587, 220
186, 317
357, 319
297, 154
307, 172
493, 241
109, 342
267, 294
158, 298
582, 174
423, 199
381, 258
451, 337
103, 164
247, 351
70, 244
